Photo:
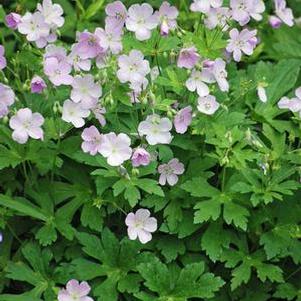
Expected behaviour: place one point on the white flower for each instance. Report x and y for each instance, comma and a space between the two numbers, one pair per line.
208, 104
52, 13
74, 113
33, 26
141, 20
156, 129
196, 82
141, 225
116, 148
262, 95
133, 67
85, 91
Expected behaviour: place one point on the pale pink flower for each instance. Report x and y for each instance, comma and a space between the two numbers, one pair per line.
156, 129
7, 98
133, 67
141, 20
217, 17
58, 72
26, 124
208, 104
92, 140
140, 157
168, 17
183, 120
275, 22
85, 91
74, 113
99, 112
3, 62
188, 58
88, 46
203, 6
110, 39
37, 85
78, 63
241, 42
196, 83
12, 20
169, 172
141, 225
216, 72
75, 291
58, 52
116, 148
243, 10
116, 14
33, 26
294, 104
284, 14
52, 13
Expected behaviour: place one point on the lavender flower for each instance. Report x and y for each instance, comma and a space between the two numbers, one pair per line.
217, 17
116, 14
2, 58
140, 157
294, 104
183, 120
92, 140
88, 46
203, 6
208, 104
110, 39
169, 172
37, 85
26, 124
52, 13
196, 83
12, 20
7, 98
188, 58
168, 17
141, 225
241, 42
283, 13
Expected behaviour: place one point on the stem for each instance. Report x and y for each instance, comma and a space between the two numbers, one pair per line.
224, 178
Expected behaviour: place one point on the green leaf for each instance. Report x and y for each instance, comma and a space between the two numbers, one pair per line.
207, 210
132, 194
199, 187
236, 214
241, 274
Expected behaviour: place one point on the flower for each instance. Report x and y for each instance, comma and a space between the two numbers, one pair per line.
243, 10
169, 172
261, 93
74, 113
275, 22
241, 42
133, 67
85, 91
52, 51
88, 46
203, 6
141, 225
1, 237
141, 20
167, 15
52, 13
12, 20
188, 58
2, 58
294, 104
196, 82
26, 124
58, 72
283, 13
77, 62
140, 157
217, 17
116, 148
183, 120
208, 104
156, 129
7, 98
37, 85
215, 71
116, 14
34, 26
75, 291
99, 112
110, 39
92, 140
